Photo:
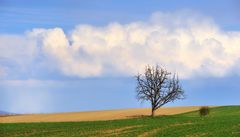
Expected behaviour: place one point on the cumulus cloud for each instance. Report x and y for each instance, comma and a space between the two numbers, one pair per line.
17, 53
189, 44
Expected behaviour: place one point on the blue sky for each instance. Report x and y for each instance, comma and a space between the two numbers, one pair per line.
17, 17
69, 55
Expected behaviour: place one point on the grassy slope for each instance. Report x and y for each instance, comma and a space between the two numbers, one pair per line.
223, 121
94, 115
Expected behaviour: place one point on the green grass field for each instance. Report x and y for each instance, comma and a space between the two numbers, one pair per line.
222, 122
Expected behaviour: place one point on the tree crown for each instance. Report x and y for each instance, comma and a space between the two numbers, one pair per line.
158, 86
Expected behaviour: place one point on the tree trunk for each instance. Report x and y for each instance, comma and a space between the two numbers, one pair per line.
153, 112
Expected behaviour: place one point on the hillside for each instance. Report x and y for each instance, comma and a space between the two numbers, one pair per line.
94, 115
222, 122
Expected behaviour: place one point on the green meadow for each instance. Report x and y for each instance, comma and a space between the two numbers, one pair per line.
221, 122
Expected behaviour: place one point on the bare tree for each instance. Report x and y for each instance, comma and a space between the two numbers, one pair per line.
158, 86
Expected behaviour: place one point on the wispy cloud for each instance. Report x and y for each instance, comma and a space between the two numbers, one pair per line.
25, 101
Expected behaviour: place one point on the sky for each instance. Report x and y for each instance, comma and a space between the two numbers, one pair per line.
76, 55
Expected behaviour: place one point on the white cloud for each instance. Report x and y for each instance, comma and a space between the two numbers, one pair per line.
190, 44
16, 47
